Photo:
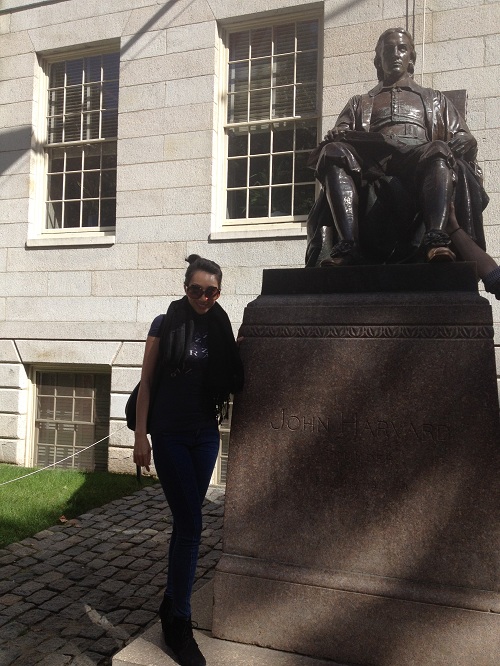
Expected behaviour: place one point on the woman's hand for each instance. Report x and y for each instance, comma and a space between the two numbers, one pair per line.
452, 224
142, 447
142, 451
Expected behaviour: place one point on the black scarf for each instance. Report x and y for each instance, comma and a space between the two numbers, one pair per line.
225, 370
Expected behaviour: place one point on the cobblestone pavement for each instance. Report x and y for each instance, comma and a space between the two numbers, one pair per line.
77, 593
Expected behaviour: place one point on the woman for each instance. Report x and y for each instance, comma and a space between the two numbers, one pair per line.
191, 365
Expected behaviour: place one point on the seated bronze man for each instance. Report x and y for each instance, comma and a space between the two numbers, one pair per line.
390, 167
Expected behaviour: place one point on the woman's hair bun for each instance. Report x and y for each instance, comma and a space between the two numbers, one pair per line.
197, 263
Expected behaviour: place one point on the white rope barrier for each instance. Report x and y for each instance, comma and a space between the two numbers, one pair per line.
73, 455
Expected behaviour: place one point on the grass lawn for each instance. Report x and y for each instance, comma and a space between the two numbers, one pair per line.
37, 502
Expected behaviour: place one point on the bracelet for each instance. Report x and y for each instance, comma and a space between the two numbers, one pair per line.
454, 231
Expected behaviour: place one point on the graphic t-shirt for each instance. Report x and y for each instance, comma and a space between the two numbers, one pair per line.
181, 403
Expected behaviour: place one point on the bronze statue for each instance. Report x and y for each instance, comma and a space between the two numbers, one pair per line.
390, 168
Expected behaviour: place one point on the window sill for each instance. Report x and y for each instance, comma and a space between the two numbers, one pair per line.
256, 234
71, 240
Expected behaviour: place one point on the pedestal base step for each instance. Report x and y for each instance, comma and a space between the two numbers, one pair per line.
150, 649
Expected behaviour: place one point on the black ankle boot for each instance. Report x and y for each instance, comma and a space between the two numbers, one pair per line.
166, 617
182, 643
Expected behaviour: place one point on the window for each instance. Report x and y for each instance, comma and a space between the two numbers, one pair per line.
272, 122
72, 412
81, 131
220, 472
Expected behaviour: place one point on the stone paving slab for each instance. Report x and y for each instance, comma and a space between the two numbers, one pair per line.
78, 593
149, 650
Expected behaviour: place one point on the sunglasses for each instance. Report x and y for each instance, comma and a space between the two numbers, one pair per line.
195, 291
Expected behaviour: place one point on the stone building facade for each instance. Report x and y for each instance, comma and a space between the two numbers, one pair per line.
136, 132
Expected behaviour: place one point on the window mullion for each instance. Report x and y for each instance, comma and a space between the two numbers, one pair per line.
63, 201
63, 119
249, 85
82, 136
272, 86
294, 94
86, 107
82, 175
101, 98
271, 165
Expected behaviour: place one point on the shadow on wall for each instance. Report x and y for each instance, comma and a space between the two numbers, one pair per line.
14, 143
411, 511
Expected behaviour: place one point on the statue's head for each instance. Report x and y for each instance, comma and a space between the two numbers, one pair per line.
387, 36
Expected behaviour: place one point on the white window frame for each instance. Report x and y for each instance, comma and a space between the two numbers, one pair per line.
30, 449
223, 228
38, 234
220, 470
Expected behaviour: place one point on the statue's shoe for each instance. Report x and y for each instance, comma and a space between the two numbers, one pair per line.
438, 254
345, 253
346, 260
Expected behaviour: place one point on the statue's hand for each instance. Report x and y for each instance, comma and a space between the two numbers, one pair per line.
332, 134
463, 144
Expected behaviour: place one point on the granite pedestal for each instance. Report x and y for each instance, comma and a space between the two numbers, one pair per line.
362, 519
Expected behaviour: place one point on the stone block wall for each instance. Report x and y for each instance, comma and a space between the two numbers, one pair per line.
13, 401
168, 157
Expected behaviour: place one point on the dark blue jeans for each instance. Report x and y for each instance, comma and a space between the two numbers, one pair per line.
184, 463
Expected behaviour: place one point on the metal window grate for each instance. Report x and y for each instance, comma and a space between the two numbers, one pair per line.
72, 412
